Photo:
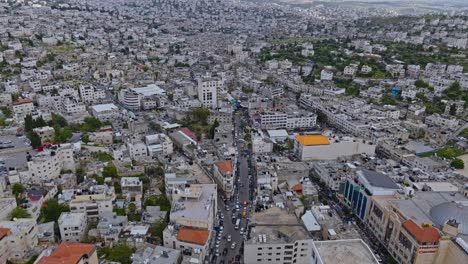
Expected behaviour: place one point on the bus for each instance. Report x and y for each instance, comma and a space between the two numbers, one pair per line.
237, 224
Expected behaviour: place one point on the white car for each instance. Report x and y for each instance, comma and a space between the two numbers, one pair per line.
229, 238
233, 246
241, 231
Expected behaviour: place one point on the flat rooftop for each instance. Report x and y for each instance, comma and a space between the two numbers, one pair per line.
352, 251
197, 208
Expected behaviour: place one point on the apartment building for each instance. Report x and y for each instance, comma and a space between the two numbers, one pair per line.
20, 235
48, 164
90, 94
137, 150
159, 144
277, 120
276, 237
208, 91
191, 219
93, 204
132, 190
45, 133
105, 112
224, 172
21, 108
72, 226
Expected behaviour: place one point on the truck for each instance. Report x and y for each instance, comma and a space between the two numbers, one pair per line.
237, 224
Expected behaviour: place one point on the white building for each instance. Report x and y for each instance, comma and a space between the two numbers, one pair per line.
20, 238
90, 94
72, 226
47, 165
326, 75
137, 150
105, 112
96, 204
442, 121
208, 90
276, 120
22, 108
224, 172
159, 144
132, 190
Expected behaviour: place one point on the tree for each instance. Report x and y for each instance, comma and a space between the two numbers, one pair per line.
109, 171
170, 97
17, 189
91, 124
156, 229
160, 201
51, 210
457, 164
201, 115
35, 139
80, 173
213, 129
131, 208
62, 134
119, 253
19, 212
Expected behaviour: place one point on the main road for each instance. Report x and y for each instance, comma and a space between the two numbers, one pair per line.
242, 193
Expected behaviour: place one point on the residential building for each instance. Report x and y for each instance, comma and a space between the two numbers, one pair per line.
208, 91
21, 237
105, 112
132, 190
90, 94
95, 204
21, 108
70, 253
157, 254
48, 164
137, 150
45, 133
350, 251
159, 144
224, 172
72, 226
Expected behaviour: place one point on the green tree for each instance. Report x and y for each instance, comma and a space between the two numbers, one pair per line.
19, 212
109, 171
62, 134
156, 229
200, 115
91, 124
131, 208
35, 139
17, 189
119, 253
457, 164
160, 201
213, 129
58, 120
80, 173
170, 97
51, 210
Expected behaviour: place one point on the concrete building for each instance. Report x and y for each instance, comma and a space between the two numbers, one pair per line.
105, 112
318, 147
137, 150
277, 237
21, 108
48, 164
45, 133
72, 226
358, 192
349, 251
94, 204
70, 253
191, 219
208, 91
132, 190
159, 144
21, 237
91, 95
224, 172
157, 254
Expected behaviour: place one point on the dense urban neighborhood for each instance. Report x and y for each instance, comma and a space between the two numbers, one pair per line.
233, 131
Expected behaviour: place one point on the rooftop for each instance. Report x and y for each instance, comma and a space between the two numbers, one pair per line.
193, 235
312, 140
352, 251
68, 253
224, 166
104, 107
378, 179
158, 254
149, 90
422, 234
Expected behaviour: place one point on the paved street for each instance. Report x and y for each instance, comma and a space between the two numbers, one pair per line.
241, 194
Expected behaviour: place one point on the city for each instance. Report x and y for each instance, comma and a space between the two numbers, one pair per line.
233, 131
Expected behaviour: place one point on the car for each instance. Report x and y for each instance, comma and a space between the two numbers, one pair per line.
233, 246
222, 216
221, 228
217, 254
241, 231
225, 251
229, 238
